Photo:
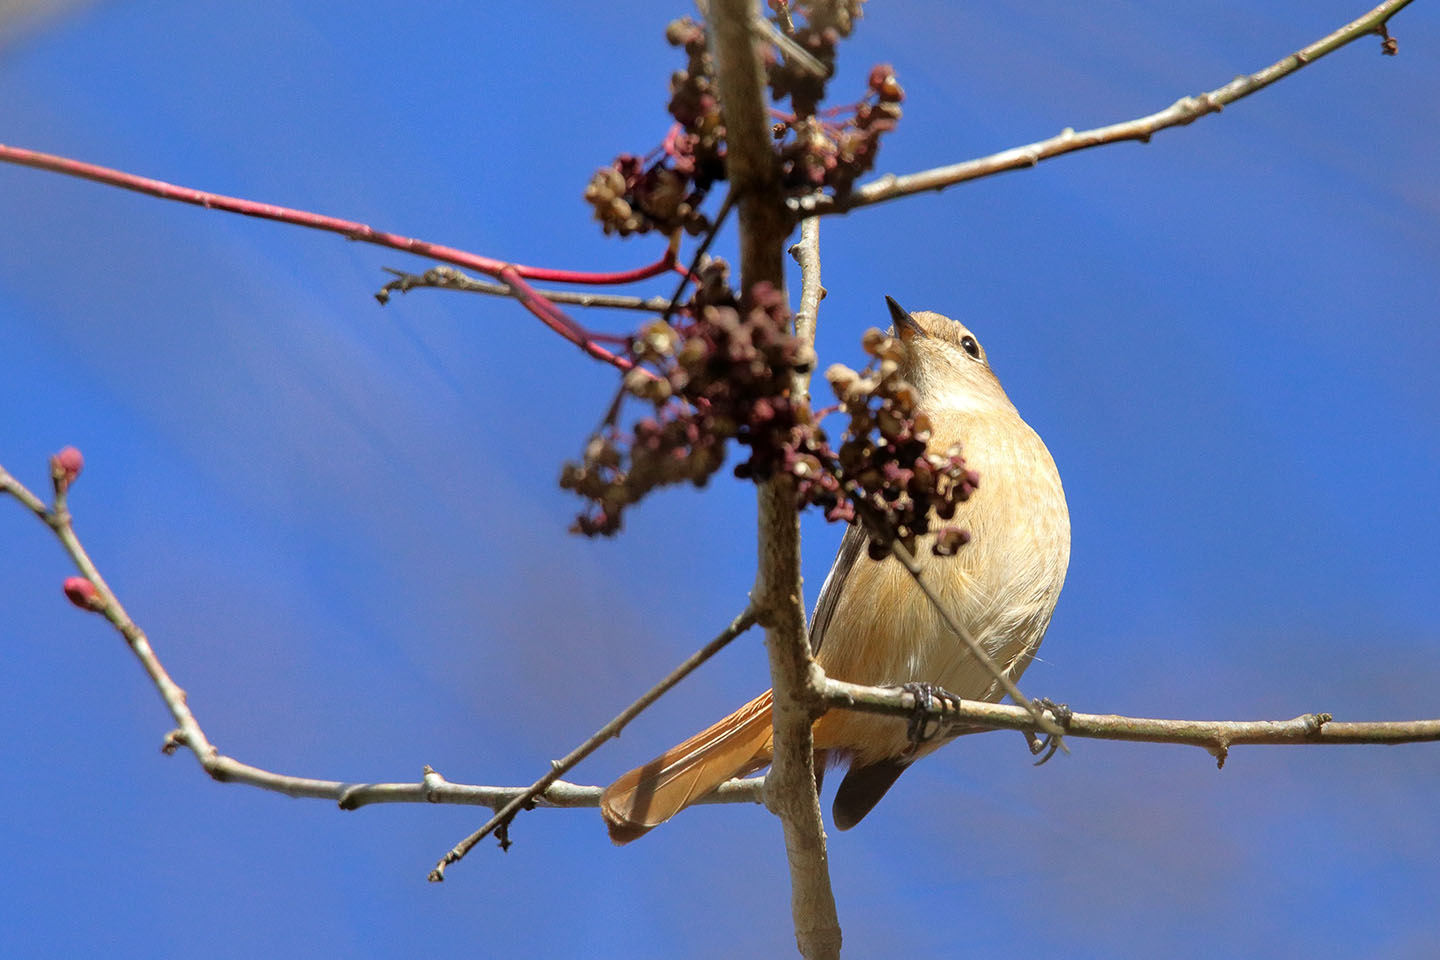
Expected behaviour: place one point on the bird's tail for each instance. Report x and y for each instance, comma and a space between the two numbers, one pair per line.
648, 796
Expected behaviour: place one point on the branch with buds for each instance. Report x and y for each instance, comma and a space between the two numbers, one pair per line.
727, 365
89, 591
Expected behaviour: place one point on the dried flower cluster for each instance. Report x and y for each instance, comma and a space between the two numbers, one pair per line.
816, 152
817, 27
726, 375
888, 477
814, 149
826, 149
664, 190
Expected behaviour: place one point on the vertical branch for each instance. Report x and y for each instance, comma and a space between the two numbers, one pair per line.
764, 227
807, 254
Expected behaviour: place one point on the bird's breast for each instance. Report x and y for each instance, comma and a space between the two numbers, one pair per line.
1000, 588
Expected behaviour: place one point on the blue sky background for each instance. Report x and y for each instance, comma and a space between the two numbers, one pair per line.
340, 524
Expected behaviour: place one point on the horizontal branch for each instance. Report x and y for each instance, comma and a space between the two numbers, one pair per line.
1184, 111
448, 278
1217, 736
977, 650
433, 788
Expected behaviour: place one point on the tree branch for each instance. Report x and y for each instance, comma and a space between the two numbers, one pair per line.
501, 821
764, 225
514, 275
448, 278
350, 229
1037, 716
1216, 736
554, 318
807, 254
433, 788
689, 274
1184, 111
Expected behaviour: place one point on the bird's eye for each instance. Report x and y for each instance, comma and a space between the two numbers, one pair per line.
971, 347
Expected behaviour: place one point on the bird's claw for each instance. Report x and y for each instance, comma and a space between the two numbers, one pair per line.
1049, 743
919, 729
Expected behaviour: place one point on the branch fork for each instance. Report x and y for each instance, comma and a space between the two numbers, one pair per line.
802, 690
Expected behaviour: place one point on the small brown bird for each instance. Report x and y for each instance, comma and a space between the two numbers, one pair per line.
873, 625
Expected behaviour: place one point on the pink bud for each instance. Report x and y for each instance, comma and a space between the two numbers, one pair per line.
82, 593
65, 466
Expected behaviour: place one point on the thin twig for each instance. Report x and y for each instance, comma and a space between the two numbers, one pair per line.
514, 275
556, 319
1183, 111
16, 489
433, 788
768, 32
526, 798
449, 278
725, 206
907, 560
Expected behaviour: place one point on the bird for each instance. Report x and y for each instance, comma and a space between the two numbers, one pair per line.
873, 624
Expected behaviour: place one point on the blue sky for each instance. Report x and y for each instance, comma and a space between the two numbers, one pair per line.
341, 528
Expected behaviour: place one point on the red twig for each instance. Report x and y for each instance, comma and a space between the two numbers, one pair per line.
557, 320
303, 218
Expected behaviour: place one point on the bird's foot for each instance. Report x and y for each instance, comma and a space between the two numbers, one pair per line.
923, 727
1049, 743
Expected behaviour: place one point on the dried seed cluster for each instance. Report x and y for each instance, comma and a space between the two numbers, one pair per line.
816, 152
889, 478
814, 149
664, 191
817, 26
726, 375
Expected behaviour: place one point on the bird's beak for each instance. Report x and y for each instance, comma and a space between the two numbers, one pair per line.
905, 324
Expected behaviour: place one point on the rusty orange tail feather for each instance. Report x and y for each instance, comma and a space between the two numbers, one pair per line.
649, 795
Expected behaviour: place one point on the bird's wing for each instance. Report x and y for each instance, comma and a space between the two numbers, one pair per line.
852, 547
